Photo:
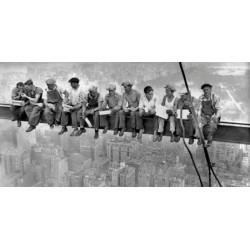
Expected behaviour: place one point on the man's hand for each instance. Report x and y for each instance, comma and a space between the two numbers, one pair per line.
169, 112
91, 111
24, 95
40, 104
133, 109
126, 110
152, 112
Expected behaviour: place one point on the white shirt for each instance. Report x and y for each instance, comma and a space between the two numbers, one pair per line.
148, 105
77, 96
170, 105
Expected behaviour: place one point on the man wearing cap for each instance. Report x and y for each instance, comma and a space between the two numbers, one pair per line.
35, 107
130, 106
17, 111
185, 103
114, 102
170, 102
147, 107
91, 107
75, 100
53, 103
209, 111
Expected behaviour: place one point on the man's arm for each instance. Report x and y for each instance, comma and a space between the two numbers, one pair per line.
217, 107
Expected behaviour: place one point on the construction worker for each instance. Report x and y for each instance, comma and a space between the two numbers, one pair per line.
75, 101
53, 103
170, 102
209, 112
147, 107
35, 107
130, 106
17, 111
114, 102
185, 103
91, 107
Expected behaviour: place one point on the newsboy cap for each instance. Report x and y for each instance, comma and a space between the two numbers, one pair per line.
206, 85
74, 79
29, 82
50, 81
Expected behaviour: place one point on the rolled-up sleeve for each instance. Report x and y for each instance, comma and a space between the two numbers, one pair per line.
217, 106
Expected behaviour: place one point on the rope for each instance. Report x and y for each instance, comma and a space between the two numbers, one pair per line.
209, 164
190, 153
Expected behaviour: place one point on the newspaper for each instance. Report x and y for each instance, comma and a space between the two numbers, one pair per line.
161, 111
105, 112
17, 103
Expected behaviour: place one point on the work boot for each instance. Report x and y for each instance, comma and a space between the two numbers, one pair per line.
199, 141
140, 134
155, 136
191, 141
51, 126
31, 127
19, 124
13, 119
122, 132
177, 138
133, 133
172, 137
96, 136
105, 130
209, 141
57, 123
115, 131
159, 138
75, 131
64, 129
82, 130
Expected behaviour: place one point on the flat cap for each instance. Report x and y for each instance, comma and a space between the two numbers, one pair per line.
74, 79
50, 81
170, 87
206, 85
111, 86
127, 83
93, 86
29, 82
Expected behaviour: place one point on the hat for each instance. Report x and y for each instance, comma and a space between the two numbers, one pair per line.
206, 85
74, 79
111, 86
127, 83
170, 87
50, 81
29, 82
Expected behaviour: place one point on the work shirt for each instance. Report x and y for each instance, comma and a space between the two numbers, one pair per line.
148, 104
15, 93
35, 91
132, 99
77, 96
112, 101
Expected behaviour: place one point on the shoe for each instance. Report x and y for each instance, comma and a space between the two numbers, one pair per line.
19, 124
13, 119
177, 138
191, 141
159, 138
105, 130
96, 136
172, 138
31, 127
209, 141
133, 133
82, 130
64, 129
51, 126
115, 131
57, 123
122, 132
199, 142
155, 136
140, 134
75, 131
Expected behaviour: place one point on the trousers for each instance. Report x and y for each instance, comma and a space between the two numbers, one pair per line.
34, 113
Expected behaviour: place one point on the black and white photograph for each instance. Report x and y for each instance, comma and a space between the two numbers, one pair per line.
124, 124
